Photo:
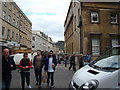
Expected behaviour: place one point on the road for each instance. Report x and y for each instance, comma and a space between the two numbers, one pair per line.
62, 78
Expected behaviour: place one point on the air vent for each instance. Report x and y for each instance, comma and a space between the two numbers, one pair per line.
93, 72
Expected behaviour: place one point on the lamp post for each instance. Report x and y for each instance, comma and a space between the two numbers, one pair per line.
81, 34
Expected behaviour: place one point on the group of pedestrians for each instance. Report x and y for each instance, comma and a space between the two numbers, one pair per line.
81, 60
48, 62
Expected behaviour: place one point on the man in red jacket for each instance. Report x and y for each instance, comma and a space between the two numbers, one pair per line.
25, 65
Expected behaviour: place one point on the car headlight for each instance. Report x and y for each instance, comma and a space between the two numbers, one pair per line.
90, 85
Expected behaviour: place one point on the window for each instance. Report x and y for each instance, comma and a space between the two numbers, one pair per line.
23, 40
13, 21
13, 35
114, 42
10, 6
4, 15
33, 46
94, 17
17, 24
113, 18
74, 4
3, 32
20, 38
8, 34
95, 46
9, 17
75, 22
16, 37
33, 38
4, 2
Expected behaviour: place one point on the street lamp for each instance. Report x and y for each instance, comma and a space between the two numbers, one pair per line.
81, 34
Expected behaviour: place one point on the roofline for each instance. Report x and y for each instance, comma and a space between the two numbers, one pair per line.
67, 13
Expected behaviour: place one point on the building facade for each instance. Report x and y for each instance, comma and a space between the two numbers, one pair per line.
16, 28
41, 41
92, 27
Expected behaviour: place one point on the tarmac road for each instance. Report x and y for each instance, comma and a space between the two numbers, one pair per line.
62, 78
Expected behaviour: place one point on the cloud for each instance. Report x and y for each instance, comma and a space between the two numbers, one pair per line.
46, 15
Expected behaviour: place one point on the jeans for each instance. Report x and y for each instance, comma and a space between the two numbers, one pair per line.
23, 76
6, 84
72, 65
50, 75
38, 74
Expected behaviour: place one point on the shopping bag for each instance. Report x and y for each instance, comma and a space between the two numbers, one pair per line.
44, 80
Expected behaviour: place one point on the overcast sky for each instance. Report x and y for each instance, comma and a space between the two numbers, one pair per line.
47, 16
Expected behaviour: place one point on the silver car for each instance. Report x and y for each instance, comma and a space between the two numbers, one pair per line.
102, 73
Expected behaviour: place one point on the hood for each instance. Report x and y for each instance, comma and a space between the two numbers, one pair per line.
87, 73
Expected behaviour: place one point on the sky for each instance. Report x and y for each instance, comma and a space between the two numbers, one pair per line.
47, 16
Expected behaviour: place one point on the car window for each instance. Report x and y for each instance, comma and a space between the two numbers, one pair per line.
109, 60
112, 61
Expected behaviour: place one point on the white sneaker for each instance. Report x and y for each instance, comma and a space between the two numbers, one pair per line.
52, 86
29, 86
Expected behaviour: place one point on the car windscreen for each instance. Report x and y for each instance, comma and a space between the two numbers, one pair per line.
109, 60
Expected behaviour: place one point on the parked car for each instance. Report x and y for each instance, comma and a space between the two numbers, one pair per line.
102, 73
19, 56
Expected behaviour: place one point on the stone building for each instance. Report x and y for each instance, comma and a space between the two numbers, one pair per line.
16, 28
91, 27
41, 41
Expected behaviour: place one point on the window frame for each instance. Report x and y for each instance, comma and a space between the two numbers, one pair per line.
9, 18
13, 22
16, 37
116, 42
13, 33
114, 18
93, 45
33, 45
33, 38
91, 17
4, 15
3, 32
8, 34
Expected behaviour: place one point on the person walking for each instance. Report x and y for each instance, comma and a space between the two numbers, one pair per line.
88, 58
25, 65
8, 65
72, 62
81, 61
50, 65
38, 63
66, 59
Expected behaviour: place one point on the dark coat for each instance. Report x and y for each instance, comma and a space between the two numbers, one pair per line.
6, 67
72, 59
42, 63
47, 62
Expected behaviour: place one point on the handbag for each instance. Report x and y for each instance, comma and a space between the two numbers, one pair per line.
44, 80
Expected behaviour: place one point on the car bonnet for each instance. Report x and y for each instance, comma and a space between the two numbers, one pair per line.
88, 73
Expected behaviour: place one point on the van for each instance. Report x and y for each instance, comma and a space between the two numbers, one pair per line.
102, 73
17, 57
